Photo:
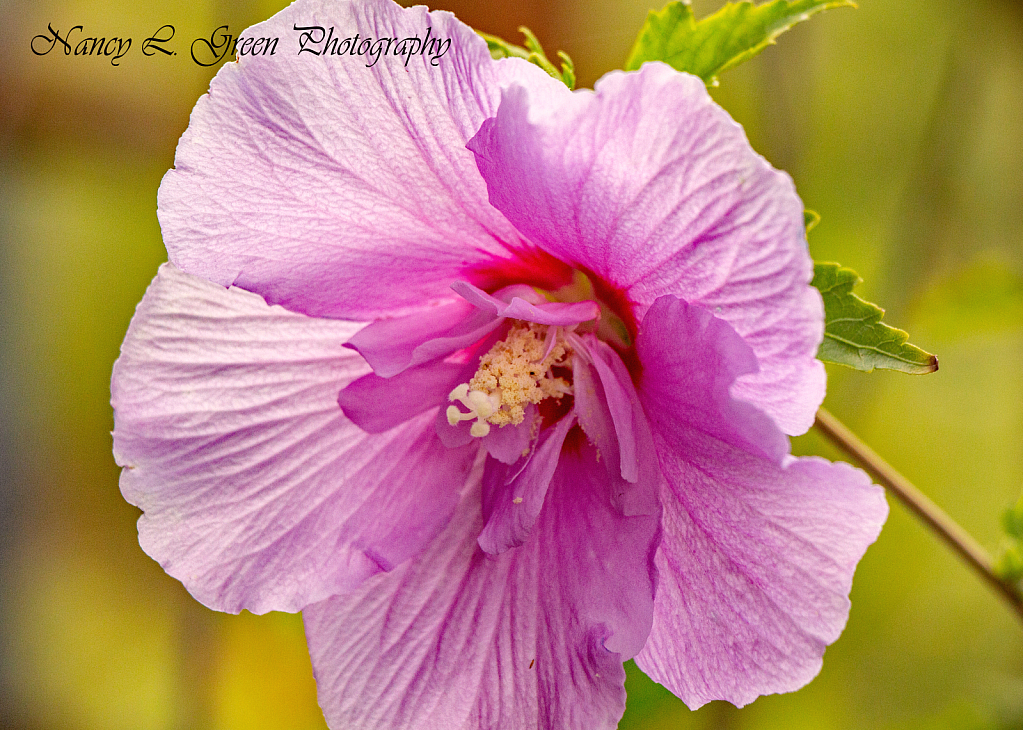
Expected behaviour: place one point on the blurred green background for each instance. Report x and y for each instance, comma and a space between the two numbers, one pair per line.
902, 124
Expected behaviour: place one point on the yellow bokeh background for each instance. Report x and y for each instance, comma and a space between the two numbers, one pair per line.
902, 125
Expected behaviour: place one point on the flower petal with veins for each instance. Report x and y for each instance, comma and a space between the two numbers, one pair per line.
492, 379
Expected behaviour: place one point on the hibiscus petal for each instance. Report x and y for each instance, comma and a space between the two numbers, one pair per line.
392, 345
377, 404
513, 498
335, 187
651, 186
754, 568
257, 492
619, 396
596, 389
531, 639
691, 359
453, 436
550, 313
508, 443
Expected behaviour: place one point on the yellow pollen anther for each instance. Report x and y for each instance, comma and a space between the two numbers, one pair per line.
516, 372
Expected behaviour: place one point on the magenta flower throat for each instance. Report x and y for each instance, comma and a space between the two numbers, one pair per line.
492, 380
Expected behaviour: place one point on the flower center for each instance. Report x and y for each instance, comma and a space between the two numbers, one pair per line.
515, 372
610, 327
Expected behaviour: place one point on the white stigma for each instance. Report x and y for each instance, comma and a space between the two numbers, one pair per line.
481, 407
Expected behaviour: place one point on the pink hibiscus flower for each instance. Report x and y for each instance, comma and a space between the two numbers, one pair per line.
490, 379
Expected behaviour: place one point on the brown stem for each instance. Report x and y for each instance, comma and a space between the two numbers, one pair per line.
920, 504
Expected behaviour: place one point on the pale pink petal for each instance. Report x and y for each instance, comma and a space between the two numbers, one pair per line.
337, 188
691, 360
257, 492
650, 186
754, 568
532, 639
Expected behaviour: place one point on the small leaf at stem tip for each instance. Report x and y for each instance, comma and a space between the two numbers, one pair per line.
853, 332
534, 53
1009, 565
733, 34
810, 219
1012, 520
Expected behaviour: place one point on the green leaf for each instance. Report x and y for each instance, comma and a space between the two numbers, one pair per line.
1012, 520
853, 332
734, 34
534, 53
1009, 565
500, 48
810, 219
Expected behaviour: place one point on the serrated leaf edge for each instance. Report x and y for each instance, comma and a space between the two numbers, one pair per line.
659, 17
876, 314
533, 53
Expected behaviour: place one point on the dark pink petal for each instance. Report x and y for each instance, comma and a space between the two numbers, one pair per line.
754, 568
532, 639
335, 188
513, 494
591, 409
550, 313
377, 404
612, 417
509, 443
392, 345
649, 185
257, 492
619, 395
453, 436
691, 359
